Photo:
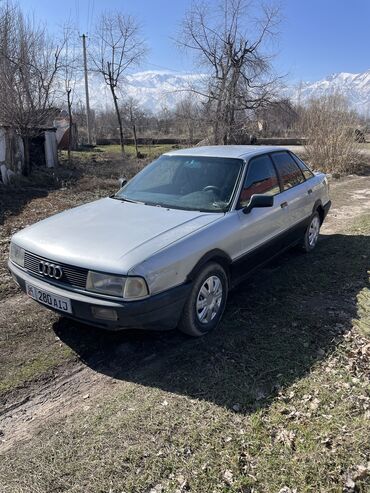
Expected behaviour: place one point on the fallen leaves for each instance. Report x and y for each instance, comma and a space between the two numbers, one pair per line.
183, 484
359, 473
158, 488
228, 477
314, 404
349, 485
286, 437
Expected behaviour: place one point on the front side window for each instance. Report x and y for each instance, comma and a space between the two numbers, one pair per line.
288, 170
185, 182
261, 179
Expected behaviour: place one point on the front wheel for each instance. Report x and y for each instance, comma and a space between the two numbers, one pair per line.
312, 233
207, 300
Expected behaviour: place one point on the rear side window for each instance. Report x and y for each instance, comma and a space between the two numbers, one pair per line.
288, 170
261, 179
305, 170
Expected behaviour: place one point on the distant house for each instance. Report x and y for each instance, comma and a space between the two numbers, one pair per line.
61, 123
43, 151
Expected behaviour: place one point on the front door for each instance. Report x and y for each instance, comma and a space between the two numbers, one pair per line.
262, 229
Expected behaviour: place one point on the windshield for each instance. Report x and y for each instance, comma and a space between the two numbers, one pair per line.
185, 182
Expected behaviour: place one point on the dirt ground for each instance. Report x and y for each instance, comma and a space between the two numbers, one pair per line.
66, 387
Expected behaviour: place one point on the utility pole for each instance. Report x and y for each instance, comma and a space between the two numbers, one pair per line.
88, 116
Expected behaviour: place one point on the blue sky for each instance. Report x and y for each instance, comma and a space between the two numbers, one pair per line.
318, 37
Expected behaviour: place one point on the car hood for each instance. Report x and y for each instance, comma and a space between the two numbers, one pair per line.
110, 235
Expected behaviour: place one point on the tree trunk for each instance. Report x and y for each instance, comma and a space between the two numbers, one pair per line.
135, 139
70, 124
26, 169
134, 131
119, 120
191, 133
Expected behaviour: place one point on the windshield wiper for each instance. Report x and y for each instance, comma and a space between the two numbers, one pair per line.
124, 199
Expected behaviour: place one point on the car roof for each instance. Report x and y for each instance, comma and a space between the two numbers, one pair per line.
227, 151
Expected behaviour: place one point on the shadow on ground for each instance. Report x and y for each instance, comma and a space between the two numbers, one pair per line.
12, 200
277, 325
15, 197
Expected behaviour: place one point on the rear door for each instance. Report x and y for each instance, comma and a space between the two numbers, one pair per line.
295, 190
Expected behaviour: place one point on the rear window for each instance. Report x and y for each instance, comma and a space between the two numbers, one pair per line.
288, 169
303, 167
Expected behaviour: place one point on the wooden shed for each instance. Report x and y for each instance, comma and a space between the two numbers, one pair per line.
43, 151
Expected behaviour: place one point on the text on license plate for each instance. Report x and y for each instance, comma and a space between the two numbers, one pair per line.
57, 302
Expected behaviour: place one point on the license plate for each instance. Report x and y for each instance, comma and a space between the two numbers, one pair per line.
57, 302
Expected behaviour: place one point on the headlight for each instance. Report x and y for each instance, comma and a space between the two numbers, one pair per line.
124, 287
16, 254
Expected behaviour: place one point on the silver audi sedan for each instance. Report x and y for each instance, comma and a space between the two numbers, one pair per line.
165, 250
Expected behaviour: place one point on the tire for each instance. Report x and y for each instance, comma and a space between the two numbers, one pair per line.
196, 319
312, 233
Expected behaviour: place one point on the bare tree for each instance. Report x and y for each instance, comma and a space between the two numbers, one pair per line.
330, 129
106, 122
277, 119
187, 112
132, 109
29, 64
118, 48
228, 42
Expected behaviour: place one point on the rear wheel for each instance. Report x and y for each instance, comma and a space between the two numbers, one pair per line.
311, 235
206, 303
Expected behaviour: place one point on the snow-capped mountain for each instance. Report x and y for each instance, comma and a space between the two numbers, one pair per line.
156, 90
355, 87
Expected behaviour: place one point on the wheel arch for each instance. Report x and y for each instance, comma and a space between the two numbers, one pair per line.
216, 255
318, 207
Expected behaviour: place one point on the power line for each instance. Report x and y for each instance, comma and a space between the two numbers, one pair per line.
164, 68
92, 15
77, 9
88, 15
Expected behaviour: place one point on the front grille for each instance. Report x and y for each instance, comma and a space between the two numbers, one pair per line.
74, 276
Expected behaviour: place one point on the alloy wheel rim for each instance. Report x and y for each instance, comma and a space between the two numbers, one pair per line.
209, 299
313, 232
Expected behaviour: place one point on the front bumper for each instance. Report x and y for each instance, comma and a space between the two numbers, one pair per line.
158, 312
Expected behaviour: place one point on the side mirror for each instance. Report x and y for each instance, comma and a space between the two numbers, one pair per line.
122, 182
259, 201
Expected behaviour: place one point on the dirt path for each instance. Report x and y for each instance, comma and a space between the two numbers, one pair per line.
73, 386
70, 390
350, 198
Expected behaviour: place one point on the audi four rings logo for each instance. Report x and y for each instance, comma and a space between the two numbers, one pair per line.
50, 270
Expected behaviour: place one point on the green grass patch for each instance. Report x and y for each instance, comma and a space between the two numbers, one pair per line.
32, 369
28, 346
101, 153
149, 151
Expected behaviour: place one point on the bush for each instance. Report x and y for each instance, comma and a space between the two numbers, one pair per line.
329, 127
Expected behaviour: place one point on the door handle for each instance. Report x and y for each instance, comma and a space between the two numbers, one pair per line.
284, 204
309, 191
